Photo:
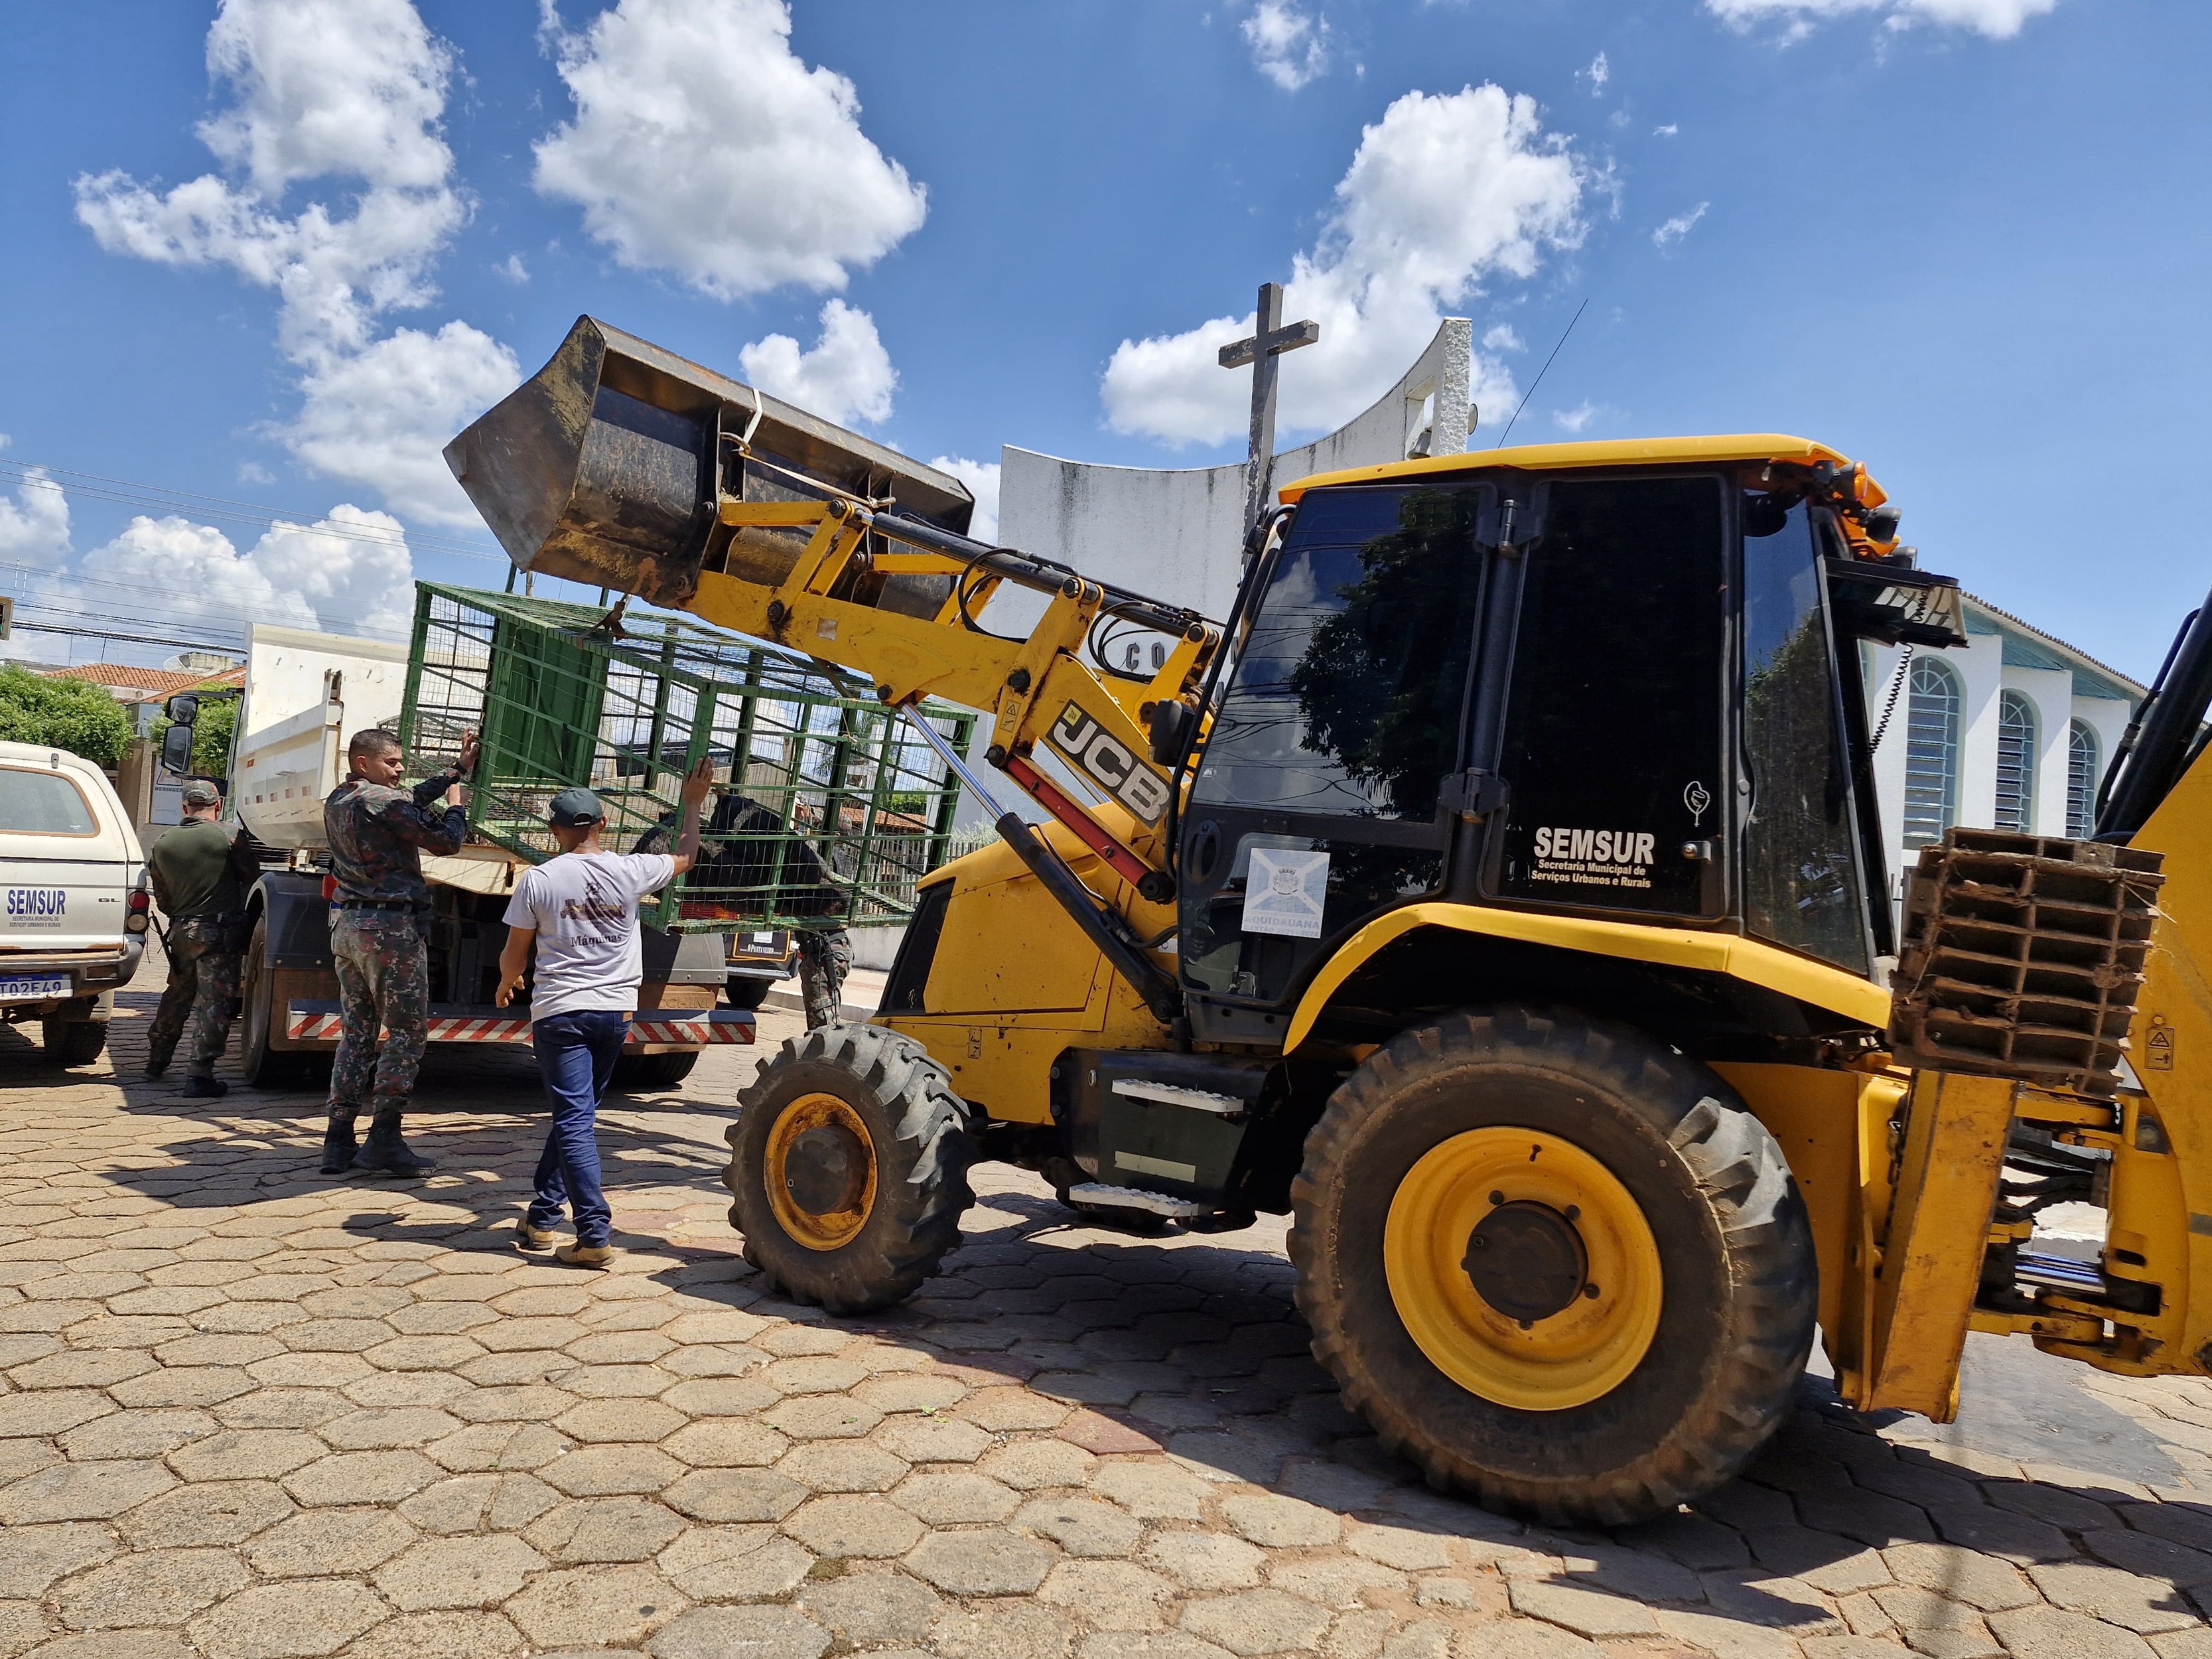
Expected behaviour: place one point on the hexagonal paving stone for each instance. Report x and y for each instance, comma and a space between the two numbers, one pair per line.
734, 1564
1979, 1581
458, 1572
82, 1491
283, 1409
1281, 1522
2054, 1633
1256, 1621
36, 1556
383, 1430
608, 1471
853, 1525
307, 1616
619, 1420
1011, 1629
216, 1512
469, 1502
497, 1446
1152, 1488
328, 1541
585, 1606
1120, 1596
50, 1411
1000, 1411
1028, 1465
954, 1497
161, 1588
726, 1443
719, 1396
990, 1561
1081, 1525
440, 1636
818, 1374
2135, 1603
1335, 1580
367, 1476
246, 1455
911, 1391
933, 1439
734, 1495
1206, 1560
756, 1632
872, 1609
822, 1417
840, 1466
606, 1529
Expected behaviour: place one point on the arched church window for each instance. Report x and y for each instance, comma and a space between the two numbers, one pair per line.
2016, 745
1931, 752
2082, 758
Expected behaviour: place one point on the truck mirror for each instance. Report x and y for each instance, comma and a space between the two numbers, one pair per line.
1171, 722
184, 708
177, 750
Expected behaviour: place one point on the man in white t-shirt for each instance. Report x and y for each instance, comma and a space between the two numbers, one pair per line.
581, 909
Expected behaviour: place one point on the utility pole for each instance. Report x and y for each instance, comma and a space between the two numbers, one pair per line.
1270, 339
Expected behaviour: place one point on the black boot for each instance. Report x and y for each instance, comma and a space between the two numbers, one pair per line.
384, 1153
204, 1088
338, 1143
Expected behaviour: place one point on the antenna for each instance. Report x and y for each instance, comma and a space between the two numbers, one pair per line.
1542, 371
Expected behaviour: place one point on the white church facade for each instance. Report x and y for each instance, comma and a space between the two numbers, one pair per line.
2014, 731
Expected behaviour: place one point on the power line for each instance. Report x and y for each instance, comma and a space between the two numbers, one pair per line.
1542, 371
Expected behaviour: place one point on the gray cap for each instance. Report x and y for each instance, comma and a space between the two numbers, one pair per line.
572, 809
200, 792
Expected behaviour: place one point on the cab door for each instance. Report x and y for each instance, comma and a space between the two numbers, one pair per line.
1316, 805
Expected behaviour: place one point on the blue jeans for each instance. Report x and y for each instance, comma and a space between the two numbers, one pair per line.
576, 1055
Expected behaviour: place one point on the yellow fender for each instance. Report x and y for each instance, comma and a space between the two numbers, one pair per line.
1767, 966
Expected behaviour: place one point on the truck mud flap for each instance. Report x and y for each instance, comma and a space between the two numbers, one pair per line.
681, 1028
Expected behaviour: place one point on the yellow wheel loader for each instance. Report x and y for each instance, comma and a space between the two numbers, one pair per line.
1497, 890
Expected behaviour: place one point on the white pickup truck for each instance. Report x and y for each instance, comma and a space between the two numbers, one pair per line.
306, 694
73, 899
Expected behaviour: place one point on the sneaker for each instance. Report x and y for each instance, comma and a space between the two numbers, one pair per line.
205, 1088
586, 1256
527, 1237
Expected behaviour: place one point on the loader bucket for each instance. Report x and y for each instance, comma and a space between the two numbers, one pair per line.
606, 465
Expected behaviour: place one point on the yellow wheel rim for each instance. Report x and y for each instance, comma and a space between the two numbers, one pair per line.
794, 1172
1562, 1297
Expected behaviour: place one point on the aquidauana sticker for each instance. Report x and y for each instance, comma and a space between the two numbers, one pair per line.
1284, 892
1594, 858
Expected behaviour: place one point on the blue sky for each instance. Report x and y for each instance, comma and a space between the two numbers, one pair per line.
1963, 241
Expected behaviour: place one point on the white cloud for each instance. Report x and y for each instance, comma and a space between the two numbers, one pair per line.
702, 146
350, 572
513, 268
1678, 227
981, 478
34, 527
1444, 191
1574, 420
847, 375
331, 89
252, 472
1289, 46
1503, 338
1666, 131
1599, 72
1999, 20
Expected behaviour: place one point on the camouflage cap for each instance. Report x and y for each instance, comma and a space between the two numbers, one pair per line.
202, 793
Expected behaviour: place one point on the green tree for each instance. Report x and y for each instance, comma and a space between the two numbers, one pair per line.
63, 713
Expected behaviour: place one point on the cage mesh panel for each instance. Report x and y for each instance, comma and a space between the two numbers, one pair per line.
825, 806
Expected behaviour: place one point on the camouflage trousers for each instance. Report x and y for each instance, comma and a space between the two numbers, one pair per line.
384, 978
824, 959
203, 988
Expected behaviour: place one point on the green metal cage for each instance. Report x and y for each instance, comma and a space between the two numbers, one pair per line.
827, 808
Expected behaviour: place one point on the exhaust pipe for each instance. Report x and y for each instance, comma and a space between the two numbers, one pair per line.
606, 467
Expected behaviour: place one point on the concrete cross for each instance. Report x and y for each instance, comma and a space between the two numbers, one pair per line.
1271, 339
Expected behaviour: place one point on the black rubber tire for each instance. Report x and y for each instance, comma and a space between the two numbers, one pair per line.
261, 1065
923, 1151
742, 992
1740, 1280
654, 1071
73, 1042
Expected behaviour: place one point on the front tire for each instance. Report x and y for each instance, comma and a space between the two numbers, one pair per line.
744, 992
654, 1071
849, 1168
1554, 1264
262, 1065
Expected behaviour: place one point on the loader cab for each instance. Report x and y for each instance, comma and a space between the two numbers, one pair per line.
1626, 693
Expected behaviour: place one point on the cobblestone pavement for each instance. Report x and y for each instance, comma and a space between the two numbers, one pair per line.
248, 1411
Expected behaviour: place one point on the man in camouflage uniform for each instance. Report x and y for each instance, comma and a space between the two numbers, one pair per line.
379, 911
199, 875
825, 957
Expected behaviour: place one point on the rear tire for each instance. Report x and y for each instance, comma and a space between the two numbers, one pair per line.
742, 992
866, 1107
261, 1065
1686, 1201
73, 1042
654, 1071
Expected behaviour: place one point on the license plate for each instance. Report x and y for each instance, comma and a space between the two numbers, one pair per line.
33, 987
